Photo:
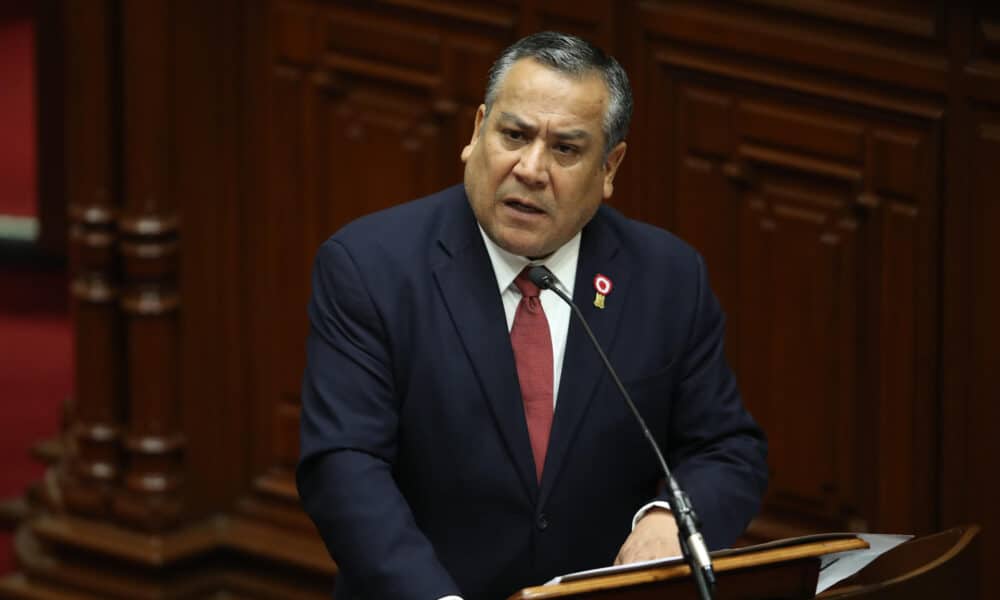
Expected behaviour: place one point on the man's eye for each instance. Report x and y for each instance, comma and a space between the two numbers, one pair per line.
513, 134
566, 149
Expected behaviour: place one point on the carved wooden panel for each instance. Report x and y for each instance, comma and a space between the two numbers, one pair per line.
981, 492
366, 110
816, 220
895, 42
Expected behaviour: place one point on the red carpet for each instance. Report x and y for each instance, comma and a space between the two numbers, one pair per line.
35, 374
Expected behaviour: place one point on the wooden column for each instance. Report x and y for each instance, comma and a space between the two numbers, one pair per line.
92, 461
154, 444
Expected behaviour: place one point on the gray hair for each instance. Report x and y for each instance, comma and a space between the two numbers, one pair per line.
575, 57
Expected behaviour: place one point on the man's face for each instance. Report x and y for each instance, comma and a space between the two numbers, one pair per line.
535, 170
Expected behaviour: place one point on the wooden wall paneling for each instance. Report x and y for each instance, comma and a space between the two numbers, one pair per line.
281, 245
627, 48
364, 131
276, 232
400, 113
799, 244
468, 15
921, 20
968, 493
465, 61
208, 181
980, 448
293, 220
152, 497
981, 59
354, 94
781, 193
92, 465
895, 44
655, 107
904, 173
956, 322
593, 20
703, 133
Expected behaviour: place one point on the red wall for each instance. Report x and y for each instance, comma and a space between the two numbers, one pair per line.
18, 186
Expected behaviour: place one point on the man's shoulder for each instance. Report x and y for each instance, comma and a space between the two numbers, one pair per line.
398, 247
645, 242
410, 220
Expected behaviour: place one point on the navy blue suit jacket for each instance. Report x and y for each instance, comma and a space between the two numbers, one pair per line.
416, 465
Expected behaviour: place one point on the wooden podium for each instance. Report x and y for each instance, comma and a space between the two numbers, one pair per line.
784, 569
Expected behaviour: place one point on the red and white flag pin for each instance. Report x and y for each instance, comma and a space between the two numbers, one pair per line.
603, 286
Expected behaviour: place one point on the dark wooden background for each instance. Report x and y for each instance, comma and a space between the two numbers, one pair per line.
836, 161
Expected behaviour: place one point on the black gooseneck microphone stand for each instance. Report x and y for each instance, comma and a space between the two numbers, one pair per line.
692, 544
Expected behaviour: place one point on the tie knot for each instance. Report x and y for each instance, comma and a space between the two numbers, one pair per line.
527, 287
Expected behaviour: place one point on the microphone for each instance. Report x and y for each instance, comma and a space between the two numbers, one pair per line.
692, 543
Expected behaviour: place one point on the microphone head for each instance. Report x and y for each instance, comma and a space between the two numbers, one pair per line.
541, 276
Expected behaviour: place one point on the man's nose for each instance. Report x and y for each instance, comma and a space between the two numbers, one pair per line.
531, 168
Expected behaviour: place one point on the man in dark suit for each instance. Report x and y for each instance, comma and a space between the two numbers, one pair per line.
460, 437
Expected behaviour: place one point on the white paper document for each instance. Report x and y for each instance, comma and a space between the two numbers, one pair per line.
834, 568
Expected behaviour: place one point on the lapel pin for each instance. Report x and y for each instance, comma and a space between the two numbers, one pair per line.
603, 286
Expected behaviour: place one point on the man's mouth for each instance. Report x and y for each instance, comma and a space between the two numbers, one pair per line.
522, 207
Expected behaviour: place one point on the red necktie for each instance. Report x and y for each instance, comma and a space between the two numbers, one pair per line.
532, 345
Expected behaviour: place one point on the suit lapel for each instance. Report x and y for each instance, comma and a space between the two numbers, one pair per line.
468, 288
583, 370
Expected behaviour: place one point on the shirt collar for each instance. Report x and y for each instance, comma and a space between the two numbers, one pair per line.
506, 266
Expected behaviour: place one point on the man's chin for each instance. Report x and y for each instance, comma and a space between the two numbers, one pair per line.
530, 249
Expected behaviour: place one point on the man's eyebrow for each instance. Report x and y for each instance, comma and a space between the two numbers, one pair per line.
518, 122
572, 134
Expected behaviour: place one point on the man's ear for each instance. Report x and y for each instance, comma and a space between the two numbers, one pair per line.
611, 167
480, 115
